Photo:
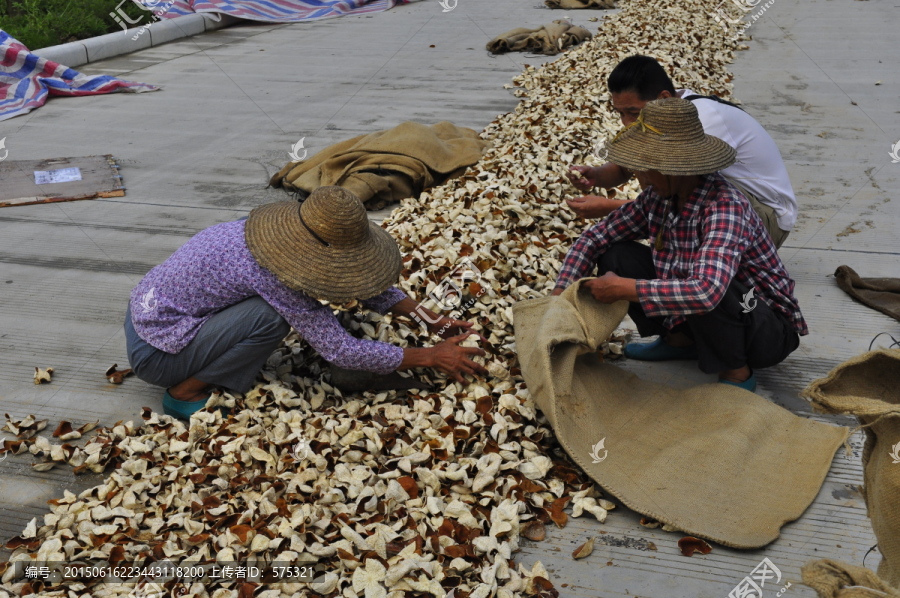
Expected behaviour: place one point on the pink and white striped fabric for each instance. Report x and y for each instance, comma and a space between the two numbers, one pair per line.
280, 11
27, 80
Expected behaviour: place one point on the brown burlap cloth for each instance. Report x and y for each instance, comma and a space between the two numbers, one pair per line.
714, 460
832, 579
567, 4
868, 386
387, 166
549, 39
882, 294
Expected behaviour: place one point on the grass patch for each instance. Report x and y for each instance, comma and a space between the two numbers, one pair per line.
42, 23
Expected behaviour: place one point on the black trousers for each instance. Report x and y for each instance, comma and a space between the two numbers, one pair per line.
726, 337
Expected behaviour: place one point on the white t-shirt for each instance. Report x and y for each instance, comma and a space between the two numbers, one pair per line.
759, 166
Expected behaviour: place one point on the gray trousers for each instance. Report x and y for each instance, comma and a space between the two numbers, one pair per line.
229, 350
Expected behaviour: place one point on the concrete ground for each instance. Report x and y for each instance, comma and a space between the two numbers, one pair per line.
235, 101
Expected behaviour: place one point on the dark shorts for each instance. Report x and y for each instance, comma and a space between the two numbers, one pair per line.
727, 337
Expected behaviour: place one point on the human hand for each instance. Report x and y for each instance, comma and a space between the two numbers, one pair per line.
446, 327
593, 206
580, 177
606, 288
449, 357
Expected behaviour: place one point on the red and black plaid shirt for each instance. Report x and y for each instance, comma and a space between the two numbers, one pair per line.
715, 238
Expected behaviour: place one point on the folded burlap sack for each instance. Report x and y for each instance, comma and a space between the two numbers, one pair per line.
832, 579
882, 294
868, 386
567, 4
387, 166
550, 39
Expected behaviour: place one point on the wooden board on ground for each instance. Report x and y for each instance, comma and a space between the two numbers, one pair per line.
99, 177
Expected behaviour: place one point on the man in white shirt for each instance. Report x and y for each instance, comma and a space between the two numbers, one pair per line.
759, 172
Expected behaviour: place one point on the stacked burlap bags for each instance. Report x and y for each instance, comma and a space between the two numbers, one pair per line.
551, 39
868, 387
384, 167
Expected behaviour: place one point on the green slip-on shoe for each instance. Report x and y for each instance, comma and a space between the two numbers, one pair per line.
181, 409
748, 384
658, 350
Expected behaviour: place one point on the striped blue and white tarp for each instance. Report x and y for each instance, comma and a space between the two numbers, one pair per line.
280, 11
27, 80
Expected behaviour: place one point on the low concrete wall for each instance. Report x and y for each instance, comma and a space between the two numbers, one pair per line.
121, 42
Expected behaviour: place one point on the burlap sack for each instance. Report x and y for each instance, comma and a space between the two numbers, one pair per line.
832, 579
882, 294
549, 39
715, 461
387, 166
570, 4
868, 387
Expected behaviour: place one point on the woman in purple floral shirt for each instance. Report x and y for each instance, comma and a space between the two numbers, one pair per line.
212, 313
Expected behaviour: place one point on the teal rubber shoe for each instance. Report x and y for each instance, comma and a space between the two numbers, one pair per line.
658, 350
748, 384
181, 409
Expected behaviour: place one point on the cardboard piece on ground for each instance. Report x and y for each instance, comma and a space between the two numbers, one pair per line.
99, 178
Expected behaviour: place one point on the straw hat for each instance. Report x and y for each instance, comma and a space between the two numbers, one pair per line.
668, 137
325, 247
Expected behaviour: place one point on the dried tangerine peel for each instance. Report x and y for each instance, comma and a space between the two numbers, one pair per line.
380, 489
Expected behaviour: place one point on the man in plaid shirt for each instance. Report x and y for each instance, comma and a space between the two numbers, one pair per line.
711, 284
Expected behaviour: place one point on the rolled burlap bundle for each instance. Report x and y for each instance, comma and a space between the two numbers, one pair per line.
570, 4
550, 39
832, 579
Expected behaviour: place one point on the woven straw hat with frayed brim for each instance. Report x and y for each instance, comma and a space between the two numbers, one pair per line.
325, 247
668, 137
